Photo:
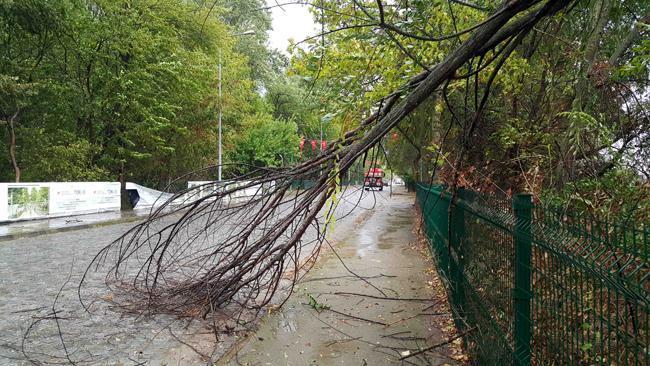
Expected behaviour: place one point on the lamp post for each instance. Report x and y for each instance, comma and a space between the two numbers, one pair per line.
246, 33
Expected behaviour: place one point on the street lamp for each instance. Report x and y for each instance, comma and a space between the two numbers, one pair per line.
246, 33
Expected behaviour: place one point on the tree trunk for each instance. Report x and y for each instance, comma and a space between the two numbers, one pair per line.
125, 202
601, 16
628, 41
12, 145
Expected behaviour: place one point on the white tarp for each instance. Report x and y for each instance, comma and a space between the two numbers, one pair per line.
148, 197
21, 201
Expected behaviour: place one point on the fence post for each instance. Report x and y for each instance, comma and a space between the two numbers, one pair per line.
522, 205
457, 259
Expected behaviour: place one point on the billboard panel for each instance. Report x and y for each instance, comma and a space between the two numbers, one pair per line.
82, 197
21, 201
27, 201
3, 202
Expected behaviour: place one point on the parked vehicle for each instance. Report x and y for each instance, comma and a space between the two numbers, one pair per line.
374, 179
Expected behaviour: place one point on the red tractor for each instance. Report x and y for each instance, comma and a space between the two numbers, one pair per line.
374, 179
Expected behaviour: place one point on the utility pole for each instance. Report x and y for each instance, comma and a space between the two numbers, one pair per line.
220, 112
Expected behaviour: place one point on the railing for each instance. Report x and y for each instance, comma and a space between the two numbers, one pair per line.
533, 285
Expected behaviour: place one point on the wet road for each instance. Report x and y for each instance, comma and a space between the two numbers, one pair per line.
329, 321
33, 271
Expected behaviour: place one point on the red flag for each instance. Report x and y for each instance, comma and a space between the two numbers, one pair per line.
313, 145
323, 145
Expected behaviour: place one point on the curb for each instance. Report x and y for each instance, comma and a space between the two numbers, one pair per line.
10, 237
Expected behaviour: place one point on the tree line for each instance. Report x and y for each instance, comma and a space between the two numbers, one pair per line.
105, 89
98, 90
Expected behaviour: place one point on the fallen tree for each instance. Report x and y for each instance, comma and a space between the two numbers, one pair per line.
207, 254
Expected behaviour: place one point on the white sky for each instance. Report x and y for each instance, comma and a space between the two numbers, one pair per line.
290, 21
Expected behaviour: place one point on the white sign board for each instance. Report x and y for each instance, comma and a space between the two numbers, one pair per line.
72, 198
3, 202
206, 188
200, 189
23, 201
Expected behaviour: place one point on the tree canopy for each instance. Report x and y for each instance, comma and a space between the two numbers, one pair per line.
565, 116
93, 90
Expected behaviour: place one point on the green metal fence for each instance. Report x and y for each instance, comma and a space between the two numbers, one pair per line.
534, 285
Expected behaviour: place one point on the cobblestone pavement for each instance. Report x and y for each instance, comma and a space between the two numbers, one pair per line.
34, 270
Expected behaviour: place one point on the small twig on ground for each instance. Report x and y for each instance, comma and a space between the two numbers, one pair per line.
333, 342
138, 363
402, 320
406, 338
339, 277
357, 317
29, 310
396, 334
56, 318
350, 271
333, 327
418, 314
381, 298
438, 344
203, 355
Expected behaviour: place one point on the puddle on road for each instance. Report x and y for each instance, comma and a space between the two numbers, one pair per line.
365, 242
372, 237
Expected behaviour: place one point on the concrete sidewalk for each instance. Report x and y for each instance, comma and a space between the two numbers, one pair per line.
394, 309
29, 228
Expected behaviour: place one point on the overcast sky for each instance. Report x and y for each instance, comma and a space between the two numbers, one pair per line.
289, 21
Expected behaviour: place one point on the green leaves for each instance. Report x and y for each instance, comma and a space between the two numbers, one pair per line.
584, 128
266, 143
639, 64
314, 304
126, 82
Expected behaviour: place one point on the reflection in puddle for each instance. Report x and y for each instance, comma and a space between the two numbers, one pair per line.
375, 234
365, 242
288, 321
